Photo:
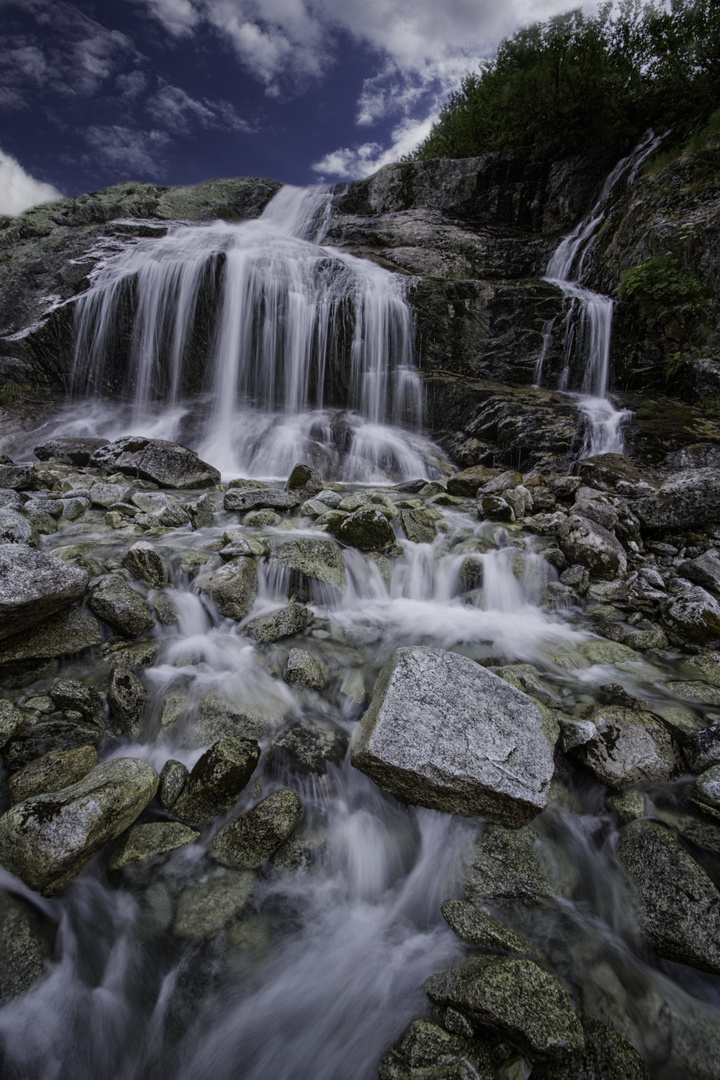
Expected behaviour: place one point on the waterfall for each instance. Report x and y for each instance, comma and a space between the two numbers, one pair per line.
300, 350
588, 323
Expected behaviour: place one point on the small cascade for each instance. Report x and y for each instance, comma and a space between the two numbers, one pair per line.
588, 323
285, 348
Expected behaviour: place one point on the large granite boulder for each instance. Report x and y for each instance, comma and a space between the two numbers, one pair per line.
678, 905
591, 545
692, 617
47, 839
69, 451
688, 500
164, 463
444, 732
33, 586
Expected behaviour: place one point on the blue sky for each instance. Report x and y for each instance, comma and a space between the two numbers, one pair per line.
177, 91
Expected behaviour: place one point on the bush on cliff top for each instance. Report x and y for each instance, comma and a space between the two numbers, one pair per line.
578, 81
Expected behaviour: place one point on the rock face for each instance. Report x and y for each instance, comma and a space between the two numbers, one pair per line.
443, 732
33, 586
47, 839
678, 905
514, 997
164, 463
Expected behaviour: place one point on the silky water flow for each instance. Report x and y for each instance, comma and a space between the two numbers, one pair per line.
322, 964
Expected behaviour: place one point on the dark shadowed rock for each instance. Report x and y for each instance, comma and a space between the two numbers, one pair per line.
306, 749
164, 463
493, 759
368, 530
629, 747
69, 451
25, 946
246, 842
606, 1054
33, 586
47, 839
126, 697
150, 840
53, 772
678, 905
689, 500
173, 778
426, 1051
304, 482
67, 632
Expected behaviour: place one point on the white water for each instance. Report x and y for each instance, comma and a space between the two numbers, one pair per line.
293, 320
588, 322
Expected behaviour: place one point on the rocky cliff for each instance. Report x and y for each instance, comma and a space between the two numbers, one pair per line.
475, 236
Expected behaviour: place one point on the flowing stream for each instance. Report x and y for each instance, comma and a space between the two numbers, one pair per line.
588, 321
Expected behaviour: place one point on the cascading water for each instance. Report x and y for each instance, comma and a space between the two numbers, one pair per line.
306, 351
588, 322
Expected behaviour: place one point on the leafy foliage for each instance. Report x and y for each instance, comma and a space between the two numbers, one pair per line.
659, 283
577, 81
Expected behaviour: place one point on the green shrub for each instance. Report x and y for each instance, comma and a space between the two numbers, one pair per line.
660, 283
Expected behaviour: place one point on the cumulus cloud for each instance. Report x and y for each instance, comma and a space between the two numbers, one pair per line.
18, 190
136, 154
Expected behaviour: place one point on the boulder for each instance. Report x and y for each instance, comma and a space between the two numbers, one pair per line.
126, 698
688, 500
216, 781
692, 617
67, 632
69, 451
418, 525
25, 946
46, 840
627, 747
678, 905
204, 909
426, 1051
19, 478
34, 586
367, 530
494, 508
150, 840
588, 543
606, 1054
243, 500
48, 735
167, 464
53, 772
467, 483
515, 998
173, 778
246, 842
119, 605
703, 570
307, 749
492, 759
285, 623
78, 698
303, 483
310, 564
506, 868
303, 669
232, 587
146, 564
12, 721
475, 927
702, 748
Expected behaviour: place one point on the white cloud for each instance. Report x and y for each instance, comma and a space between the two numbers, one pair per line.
353, 163
177, 16
18, 190
176, 110
137, 154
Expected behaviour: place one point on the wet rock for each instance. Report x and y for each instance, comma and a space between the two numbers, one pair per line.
476, 927
200, 511
703, 570
67, 632
303, 669
19, 477
678, 906
692, 617
114, 601
34, 586
367, 530
705, 666
493, 760
696, 691
173, 778
472, 572
495, 508
46, 735
702, 748
426, 1051
10, 500
239, 546
629, 747
525, 678
307, 749
129, 655
606, 1054
688, 500
47, 839
505, 867
290, 620
303, 483
630, 806
514, 997
418, 525
311, 563
246, 842
146, 564
24, 946
167, 464
220, 718
216, 781
106, 495
53, 772
467, 483
150, 840
243, 500
706, 790
71, 695
204, 909
594, 547
69, 451
232, 587
126, 698
12, 721
261, 519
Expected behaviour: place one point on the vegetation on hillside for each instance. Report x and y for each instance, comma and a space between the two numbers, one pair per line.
579, 81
